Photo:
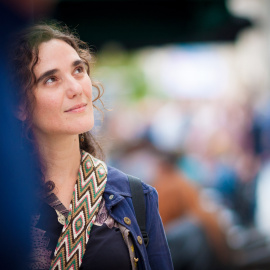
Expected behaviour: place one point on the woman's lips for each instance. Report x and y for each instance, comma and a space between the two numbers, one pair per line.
77, 108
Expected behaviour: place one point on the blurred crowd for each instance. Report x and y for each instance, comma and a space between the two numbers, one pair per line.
209, 161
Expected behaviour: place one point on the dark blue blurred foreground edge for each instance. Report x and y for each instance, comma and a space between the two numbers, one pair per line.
17, 171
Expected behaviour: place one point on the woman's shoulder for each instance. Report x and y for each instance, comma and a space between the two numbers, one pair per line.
118, 181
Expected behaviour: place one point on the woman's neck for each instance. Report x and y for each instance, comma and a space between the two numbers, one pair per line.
61, 158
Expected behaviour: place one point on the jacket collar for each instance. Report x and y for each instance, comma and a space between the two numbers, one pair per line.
117, 187
117, 183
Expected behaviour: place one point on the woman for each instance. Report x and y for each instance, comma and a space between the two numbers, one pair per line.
85, 219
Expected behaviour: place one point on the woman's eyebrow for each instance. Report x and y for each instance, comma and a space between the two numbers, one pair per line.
46, 74
77, 62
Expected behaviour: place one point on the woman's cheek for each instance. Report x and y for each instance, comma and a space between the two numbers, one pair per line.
88, 87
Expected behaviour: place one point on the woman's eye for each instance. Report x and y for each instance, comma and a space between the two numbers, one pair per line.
79, 69
50, 80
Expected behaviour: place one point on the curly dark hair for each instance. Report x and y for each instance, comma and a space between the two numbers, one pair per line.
25, 55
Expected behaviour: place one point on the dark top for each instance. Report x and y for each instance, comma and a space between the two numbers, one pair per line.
105, 249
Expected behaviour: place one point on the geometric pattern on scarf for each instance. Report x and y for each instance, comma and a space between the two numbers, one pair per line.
86, 198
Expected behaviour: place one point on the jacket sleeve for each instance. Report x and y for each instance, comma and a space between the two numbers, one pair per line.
158, 251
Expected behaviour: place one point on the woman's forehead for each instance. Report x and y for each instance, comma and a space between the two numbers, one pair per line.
55, 53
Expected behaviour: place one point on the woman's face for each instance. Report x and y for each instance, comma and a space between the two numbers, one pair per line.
63, 93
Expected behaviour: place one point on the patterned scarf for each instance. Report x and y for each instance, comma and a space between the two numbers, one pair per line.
83, 209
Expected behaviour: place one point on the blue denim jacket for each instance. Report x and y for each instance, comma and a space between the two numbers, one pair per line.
157, 255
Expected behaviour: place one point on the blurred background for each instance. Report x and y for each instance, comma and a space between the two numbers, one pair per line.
187, 89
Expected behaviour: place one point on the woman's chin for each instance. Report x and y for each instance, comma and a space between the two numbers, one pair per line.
85, 128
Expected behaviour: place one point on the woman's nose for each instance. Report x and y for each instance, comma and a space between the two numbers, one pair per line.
73, 87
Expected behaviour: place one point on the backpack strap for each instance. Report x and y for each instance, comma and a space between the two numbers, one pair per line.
139, 205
